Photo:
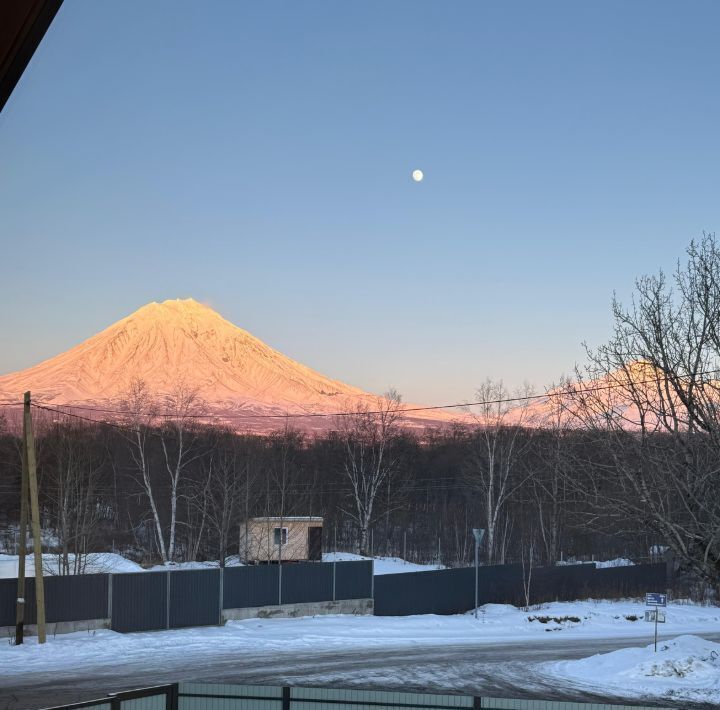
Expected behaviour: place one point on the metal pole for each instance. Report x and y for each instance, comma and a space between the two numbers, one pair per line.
656, 616
478, 534
477, 548
167, 599
109, 599
280, 568
221, 600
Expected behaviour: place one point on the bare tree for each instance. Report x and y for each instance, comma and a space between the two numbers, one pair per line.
493, 467
73, 463
180, 445
370, 461
139, 408
222, 495
653, 392
527, 560
549, 465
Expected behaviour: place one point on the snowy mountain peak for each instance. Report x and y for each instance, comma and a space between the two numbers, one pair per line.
184, 341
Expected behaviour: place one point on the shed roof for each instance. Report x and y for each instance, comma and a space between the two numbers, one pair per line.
289, 519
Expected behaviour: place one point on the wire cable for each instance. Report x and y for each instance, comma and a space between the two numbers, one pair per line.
312, 415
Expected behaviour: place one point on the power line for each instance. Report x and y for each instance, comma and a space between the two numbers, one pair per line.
312, 415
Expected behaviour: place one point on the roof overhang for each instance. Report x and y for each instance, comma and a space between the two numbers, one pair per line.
23, 24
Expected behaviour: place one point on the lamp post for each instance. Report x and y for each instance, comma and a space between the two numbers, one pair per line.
478, 534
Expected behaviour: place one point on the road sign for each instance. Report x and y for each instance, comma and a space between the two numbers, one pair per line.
655, 599
655, 615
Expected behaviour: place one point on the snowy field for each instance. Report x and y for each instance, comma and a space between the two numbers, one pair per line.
111, 562
685, 668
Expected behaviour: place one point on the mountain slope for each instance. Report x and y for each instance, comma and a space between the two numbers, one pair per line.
183, 341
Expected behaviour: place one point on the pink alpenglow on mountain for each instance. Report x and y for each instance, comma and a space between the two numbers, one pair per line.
239, 379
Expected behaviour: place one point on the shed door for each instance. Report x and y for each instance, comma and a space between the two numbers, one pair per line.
315, 543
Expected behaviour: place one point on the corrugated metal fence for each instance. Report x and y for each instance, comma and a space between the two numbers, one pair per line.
67, 598
452, 591
205, 696
146, 601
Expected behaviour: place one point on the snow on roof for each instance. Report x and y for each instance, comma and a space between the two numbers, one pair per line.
290, 519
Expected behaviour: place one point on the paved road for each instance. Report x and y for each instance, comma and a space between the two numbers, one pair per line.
499, 670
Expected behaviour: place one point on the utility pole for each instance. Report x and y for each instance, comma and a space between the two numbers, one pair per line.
29, 448
20, 603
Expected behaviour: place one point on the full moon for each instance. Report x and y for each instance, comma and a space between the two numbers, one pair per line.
417, 175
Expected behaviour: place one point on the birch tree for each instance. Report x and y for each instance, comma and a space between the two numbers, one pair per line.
181, 446
139, 416
370, 460
493, 469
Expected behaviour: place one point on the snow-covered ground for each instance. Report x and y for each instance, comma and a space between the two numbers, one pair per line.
112, 562
683, 668
593, 618
600, 564
97, 562
496, 623
383, 565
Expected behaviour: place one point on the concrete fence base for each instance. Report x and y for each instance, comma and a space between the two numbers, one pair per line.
58, 627
344, 606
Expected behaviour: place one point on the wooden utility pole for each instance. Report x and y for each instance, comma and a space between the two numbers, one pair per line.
29, 439
20, 603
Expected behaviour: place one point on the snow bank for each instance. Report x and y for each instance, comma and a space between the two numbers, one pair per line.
210, 564
111, 562
600, 564
684, 668
99, 562
594, 617
383, 565
96, 562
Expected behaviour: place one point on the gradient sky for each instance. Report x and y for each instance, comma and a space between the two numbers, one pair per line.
257, 157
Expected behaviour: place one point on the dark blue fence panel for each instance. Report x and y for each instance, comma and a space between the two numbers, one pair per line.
67, 598
139, 601
453, 591
194, 598
309, 582
76, 597
629, 581
8, 596
353, 580
250, 586
449, 591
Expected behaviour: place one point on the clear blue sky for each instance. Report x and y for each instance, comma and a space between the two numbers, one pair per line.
257, 157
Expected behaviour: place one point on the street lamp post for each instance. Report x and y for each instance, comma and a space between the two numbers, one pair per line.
478, 534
